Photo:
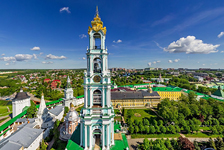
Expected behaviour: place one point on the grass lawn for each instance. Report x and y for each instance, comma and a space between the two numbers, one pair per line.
204, 128
203, 135
144, 113
155, 135
4, 110
118, 118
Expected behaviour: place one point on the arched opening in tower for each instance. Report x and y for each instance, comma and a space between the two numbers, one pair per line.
97, 96
97, 65
97, 41
97, 138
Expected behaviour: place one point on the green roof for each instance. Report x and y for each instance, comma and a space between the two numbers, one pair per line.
168, 89
73, 146
74, 142
206, 98
81, 96
219, 92
11, 121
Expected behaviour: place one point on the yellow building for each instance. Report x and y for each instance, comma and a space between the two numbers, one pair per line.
134, 99
168, 92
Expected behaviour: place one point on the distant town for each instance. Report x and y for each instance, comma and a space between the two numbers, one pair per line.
142, 89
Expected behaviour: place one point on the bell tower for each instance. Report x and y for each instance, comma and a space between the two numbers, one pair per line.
97, 115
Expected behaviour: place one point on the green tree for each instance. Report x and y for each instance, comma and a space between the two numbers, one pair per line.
211, 143
219, 143
177, 128
141, 128
43, 146
136, 129
172, 129
66, 110
214, 130
131, 129
196, 146
32, 110
152, 129
187, 129
160, 123
146, 145
146, 122
147, 129
163, 129
157, 129
154, 122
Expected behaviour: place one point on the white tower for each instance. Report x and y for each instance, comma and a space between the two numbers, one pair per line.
68, 90
68, 99
20, 101
97, 115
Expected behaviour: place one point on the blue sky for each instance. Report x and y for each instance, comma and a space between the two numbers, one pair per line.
168, 34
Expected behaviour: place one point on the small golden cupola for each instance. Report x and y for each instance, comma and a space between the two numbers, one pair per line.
97, 24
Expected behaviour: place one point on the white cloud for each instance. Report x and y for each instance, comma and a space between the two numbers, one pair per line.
35, 48
118, 41
191, 45
8, 58
154, 62
47, 62
83, 58
149, 64
65, 9
158, 45
203, 64
50, 56
41, 53
176, 60
7, 64
222, 52
3, 54
82, 36
22, 57
35, 56
158, 61
220, 34
170, 61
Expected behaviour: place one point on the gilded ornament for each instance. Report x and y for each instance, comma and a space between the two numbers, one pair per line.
97, 24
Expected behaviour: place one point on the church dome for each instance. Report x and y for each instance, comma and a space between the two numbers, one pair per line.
72, 115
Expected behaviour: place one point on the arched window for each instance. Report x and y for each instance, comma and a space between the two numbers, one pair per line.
97, 41
97, 65
97, 97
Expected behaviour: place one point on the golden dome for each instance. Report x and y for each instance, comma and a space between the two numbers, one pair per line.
97, 24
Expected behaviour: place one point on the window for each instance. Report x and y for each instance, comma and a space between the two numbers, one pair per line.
97, 65
97, 97
97, 41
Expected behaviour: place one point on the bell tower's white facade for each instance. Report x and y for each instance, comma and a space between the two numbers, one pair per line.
97, 116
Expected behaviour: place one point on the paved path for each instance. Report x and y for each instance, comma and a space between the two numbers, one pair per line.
5, 121
3, 117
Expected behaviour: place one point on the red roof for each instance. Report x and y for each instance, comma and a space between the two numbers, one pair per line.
57, 80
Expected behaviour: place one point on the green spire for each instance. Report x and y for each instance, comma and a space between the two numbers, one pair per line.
219, 92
